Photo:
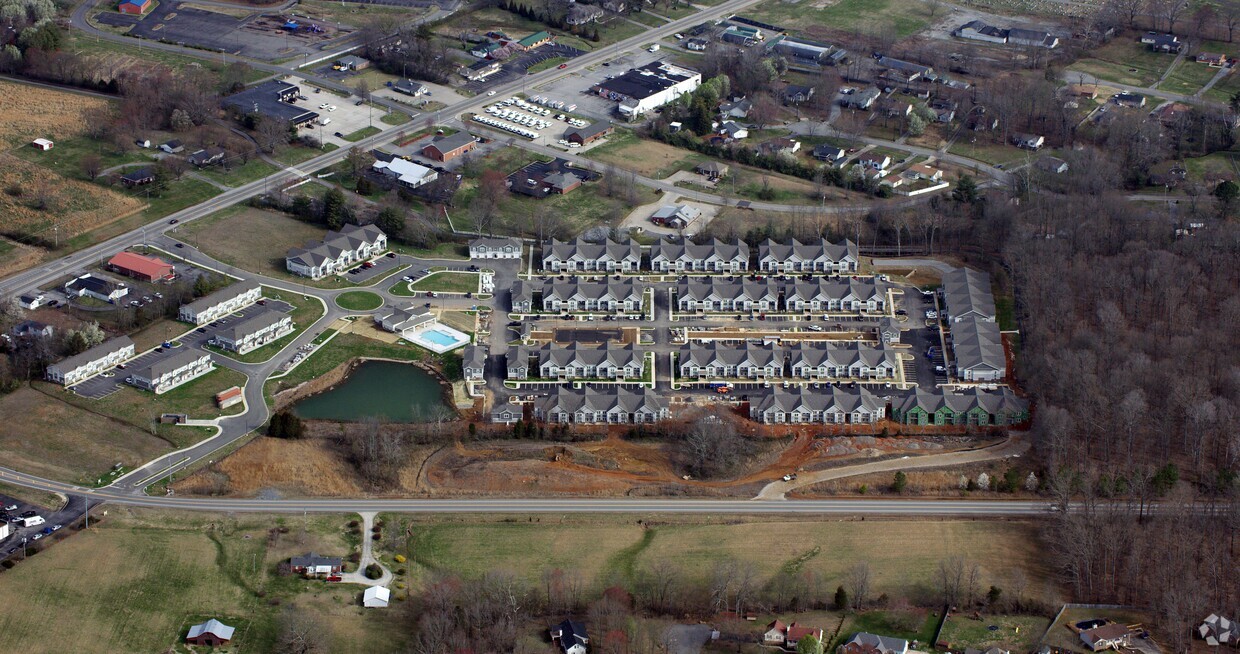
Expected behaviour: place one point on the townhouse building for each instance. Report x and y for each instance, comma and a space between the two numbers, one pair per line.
79, 367
553, 362
967, 406
573, 296
826, 295
221, 303
833, 405
686, 256
714, 294
842, 361
171, 372
977, 349
255, 332
337, 252
607, 405
967, 294
713, 360
495, 248
585, 256
819, 256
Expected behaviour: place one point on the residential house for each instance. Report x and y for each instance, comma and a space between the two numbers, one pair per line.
447, 148
141, 267
833, 405
894, 107
713, 360
924, 172
206, 157
966, 406
602, 405
967, 294
541, 180
863, 99
1126, 99
778, 146
733, 130
737, 108
646, 88
170, 372
696, 45
796, 632
32, 301
32, 329
274, 100
977, 120
1172, 114
221, 303
337, 251
474, 362
1087, 91
1032, 38
829, 153
211, 633
714, 256
106, 355
821, 256
978, 350
484, 49
1212, 59
104, 290
874, 161
774, 634
713, 170
581, 255
495, 248
865, 643
842, 361
581, 361
505, 413
1217, 630
576, 296
893, 180
903, 71
570, 637
716, 294
822, 295
1162, 42
376, 597
1053, 165
172, 147
139, 177
410, 87
798, 93
399, 319
254, 332
944, 109
1028, 141
315, 565
590, 133
676, 216
404, 172
977, 30
1109, 636
579, 14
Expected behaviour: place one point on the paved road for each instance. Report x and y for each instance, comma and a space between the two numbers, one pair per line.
1076, 77
903, 262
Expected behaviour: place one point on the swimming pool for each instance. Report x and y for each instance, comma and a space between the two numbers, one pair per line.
440, 338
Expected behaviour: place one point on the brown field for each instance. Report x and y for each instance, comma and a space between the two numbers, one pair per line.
248, 238
14, 256
270, 463
75, 206
50, 438
30, 112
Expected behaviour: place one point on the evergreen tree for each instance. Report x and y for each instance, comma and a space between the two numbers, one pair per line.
841, 599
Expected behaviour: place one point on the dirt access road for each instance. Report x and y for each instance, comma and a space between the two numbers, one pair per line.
1016, 444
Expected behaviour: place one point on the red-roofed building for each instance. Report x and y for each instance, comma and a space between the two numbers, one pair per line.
796, 632
134, 6
132, 264
774, 634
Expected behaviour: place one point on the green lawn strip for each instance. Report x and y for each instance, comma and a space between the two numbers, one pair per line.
291, 156
900, 18
395, 118
337, 351
175, 197
359, 301
401, 289
909, 625
305, 312
546, 64
1224, 89
1019, 632
646, 19
239, 175
444, 250
361, 134
1188, 78
448, 282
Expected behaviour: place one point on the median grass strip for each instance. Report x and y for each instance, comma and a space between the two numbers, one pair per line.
359, 300
360, 134
447, 282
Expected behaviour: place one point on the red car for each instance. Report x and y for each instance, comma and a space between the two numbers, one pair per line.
562, 66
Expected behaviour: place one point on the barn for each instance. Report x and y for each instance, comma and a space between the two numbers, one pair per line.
211, 633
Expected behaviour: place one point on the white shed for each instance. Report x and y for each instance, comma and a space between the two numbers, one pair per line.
42, 144
376, 597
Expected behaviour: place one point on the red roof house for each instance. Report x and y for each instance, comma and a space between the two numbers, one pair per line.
796, 632
132, 264
774, 634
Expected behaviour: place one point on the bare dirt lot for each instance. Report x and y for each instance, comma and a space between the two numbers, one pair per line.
30, 112
34, 199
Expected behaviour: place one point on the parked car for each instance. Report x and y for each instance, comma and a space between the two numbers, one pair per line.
36, 537
10, 507
180, 245
391, 255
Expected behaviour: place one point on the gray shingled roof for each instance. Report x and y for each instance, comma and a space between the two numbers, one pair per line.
95, 353
967, 291
222, 295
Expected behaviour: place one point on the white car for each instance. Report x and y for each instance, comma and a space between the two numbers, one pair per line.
11, 507
490, 93
932, 314
323, 106
56, 527
332, 108
37, 537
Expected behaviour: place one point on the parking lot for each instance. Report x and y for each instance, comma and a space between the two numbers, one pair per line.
346, 118
517, 66
53, 522
382, 266
257, 35
103, 385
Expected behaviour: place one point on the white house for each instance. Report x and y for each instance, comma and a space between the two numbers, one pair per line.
32, 301
376, 597
337, 251
171, 372
495, 248
406, 173
91, 362
221, 303
255, 332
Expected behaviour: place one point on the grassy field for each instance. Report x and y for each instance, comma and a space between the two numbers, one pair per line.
899, 18
305, 312
166, 571
1124, 61
1212, 167
141, 409
1019, 633
34, 200
127, 55
362, 133
1224, 89
359, 301
339, 350
28, 112
1188, 78
47, 436
239, 175
598, 548
447, 282
66, 157
643, 156
987, 151
546, 64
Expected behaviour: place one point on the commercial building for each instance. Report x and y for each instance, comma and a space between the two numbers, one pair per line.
272, 99
221, 303
398, 319
255, 332
104, 290
79, 367
403, 172
144, 268
447, 148
338, 251
590, 133
166, 374
643, 89
608, 405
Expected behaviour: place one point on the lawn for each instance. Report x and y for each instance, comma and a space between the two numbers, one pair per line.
337, 351
898, 18
598, 547
546, 64
1018, 633
445, 250
127, 55
141, 408
1212, 167
166, 571
1188, 78
239, 175
47, 436
1224, 89
1124, 61
987, 151
65, 158
361, 134
395, 118
909, 625
448, 282
359, 300
306, 311
39, 206
645, 157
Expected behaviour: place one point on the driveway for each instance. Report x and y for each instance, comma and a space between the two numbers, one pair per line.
368, 557
686, 638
